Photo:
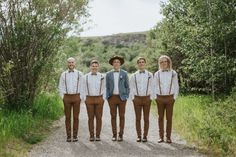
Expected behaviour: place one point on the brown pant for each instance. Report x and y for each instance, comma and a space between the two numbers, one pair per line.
71, 101
165, 103
142, 103
114, 103
94, 106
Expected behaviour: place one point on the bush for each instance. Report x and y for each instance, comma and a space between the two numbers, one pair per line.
29, 126
209, 125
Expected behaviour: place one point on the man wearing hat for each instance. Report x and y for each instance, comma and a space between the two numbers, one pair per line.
141, 93
70, 87
93, 94
117, 93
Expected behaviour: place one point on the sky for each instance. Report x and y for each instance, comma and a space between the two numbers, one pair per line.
109, 17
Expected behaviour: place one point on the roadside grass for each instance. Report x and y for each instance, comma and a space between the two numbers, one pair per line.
209, 125
19, 130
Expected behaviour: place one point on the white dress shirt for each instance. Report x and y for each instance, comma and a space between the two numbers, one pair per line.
93, 85
142, 86
70, 82
165, 82
116, 82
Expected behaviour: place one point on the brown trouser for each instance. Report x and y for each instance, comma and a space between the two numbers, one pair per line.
114, 103
165, 103
71, 101
94, 106
142, 103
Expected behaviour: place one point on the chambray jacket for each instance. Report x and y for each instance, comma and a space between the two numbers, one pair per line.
123, 85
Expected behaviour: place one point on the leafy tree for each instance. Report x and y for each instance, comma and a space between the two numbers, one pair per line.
31, 31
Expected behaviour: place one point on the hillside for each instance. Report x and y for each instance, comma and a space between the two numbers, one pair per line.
127, 45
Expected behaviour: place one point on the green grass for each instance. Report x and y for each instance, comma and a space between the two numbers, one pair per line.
20, 129
209, 125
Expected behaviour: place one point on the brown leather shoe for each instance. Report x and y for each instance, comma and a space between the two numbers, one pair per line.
139, 139
168, 140
75, 139
144, 139
114, 138
160, 140
91, 138
120, 138
68, 139
98, 138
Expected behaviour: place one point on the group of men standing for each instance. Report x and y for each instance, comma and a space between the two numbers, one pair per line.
116, 87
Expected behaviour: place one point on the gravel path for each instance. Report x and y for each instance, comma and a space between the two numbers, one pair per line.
55, 145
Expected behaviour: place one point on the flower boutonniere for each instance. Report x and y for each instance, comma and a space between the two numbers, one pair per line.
121, 77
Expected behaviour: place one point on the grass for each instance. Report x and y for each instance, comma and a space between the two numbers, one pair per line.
206, 124
18, 130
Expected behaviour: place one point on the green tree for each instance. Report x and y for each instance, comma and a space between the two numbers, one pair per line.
31, 31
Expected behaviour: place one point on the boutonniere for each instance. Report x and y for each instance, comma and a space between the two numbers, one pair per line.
102, 78
121, 77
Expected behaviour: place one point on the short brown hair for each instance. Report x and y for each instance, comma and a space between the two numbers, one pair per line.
141, 58
94, 61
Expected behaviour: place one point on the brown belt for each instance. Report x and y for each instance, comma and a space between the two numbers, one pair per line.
94, 96
165, 95
72, 94
142, 96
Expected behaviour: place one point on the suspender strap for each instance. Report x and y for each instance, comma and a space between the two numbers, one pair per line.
77, 84
171, 82
100, 90
136, 84
87, 84
159, 79
148, 84
66, 84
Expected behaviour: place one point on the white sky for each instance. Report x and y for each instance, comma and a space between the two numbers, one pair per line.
121, 16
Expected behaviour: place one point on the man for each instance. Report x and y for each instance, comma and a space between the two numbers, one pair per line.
93, 94
70, 87
166, 89
141, 94
117, 93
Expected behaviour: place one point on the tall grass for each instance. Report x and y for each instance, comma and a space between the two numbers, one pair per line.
207, 124
28, 126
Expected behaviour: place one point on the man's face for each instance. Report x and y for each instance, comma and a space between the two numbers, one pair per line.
71, 64
116, 64
94, 67
164, 63
141, 64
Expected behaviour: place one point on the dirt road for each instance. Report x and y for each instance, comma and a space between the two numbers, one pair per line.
55, 145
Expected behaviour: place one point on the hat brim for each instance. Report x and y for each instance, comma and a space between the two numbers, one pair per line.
116, 57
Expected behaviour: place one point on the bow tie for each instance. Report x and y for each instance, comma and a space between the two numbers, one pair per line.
71, 71
93, 73
116, 71
142, 72
165, 70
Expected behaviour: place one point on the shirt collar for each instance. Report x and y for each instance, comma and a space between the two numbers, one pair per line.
116, 70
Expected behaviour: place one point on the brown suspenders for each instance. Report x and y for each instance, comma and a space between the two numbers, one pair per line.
100, 89
159, 80
76, 86
136, 84
66, 84
148, 83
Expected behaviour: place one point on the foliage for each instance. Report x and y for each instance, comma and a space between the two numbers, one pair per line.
30, 33
28, 127
209, 125
129, 46
200, 37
